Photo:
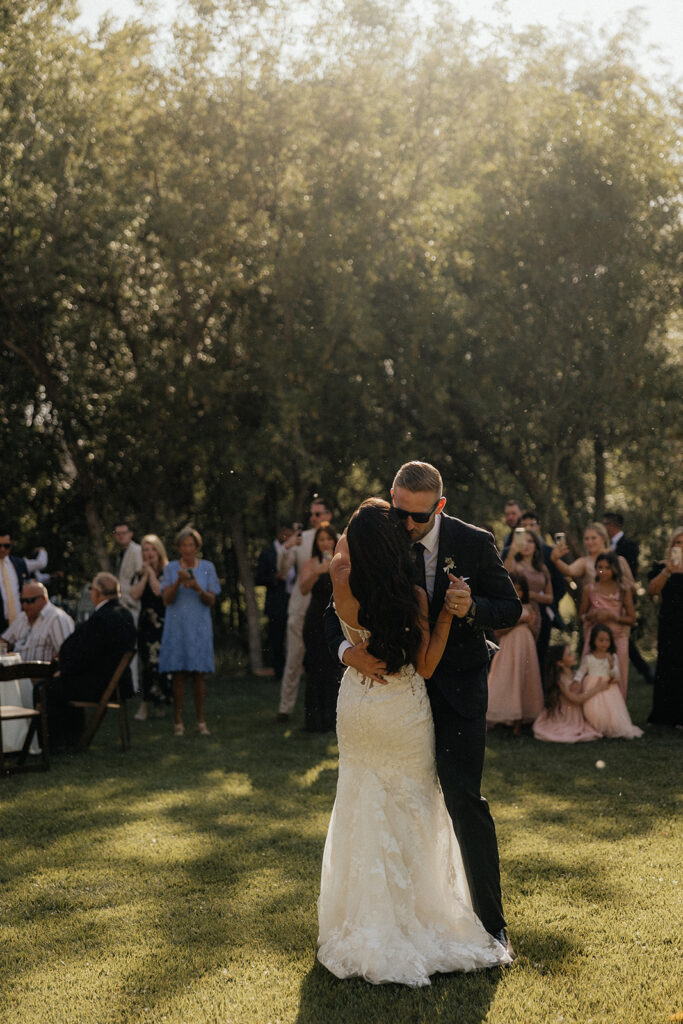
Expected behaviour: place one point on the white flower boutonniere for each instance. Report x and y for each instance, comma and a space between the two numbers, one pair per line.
449, 566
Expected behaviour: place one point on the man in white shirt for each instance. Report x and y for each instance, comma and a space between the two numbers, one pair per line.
41, 628
14, 571
296, 550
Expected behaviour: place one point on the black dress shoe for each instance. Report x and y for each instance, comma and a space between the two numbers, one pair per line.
282, 716
501, 936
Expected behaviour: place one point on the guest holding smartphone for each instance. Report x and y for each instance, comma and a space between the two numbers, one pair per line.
189, 587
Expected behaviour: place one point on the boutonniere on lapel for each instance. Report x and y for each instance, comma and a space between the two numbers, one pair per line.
449, 566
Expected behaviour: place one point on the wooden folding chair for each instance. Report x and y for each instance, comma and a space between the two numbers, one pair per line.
111, 698
16, 761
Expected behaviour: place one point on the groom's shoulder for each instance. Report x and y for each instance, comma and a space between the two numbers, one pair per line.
458, 528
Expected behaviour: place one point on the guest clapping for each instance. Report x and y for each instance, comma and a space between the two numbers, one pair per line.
666, 581
146, 588
189, 587
323, 672
610, 601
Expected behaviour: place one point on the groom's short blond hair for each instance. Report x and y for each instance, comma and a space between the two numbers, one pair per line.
419, 476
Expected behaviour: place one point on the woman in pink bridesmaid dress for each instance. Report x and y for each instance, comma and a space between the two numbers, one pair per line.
562, 720
607, 709
609, 601
515, 688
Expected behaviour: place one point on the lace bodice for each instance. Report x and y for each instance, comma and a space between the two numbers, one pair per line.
353, 635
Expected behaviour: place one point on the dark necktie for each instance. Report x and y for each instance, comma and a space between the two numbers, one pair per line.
418, 554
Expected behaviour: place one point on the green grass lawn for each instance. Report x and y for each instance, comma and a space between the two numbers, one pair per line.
178, 882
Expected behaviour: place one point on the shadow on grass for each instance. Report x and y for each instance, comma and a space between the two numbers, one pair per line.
465, 998
248, 809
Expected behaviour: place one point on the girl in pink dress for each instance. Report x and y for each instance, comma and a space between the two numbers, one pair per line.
606, 710
609, 601
562, 720
515, 689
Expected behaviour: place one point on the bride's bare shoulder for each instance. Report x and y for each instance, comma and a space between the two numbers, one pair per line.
340, 566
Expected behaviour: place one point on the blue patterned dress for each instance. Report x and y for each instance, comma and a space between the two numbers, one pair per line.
187, 640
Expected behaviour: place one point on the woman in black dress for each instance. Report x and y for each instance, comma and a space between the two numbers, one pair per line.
323, 672
666, 580
156, 689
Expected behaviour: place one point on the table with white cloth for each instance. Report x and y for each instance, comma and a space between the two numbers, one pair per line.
18, 692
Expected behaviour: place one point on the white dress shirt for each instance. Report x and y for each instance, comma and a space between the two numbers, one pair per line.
42, 640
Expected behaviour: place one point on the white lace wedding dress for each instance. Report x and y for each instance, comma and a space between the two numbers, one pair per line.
394, 902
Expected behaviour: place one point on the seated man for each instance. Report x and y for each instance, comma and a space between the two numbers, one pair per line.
88, 659
41, 628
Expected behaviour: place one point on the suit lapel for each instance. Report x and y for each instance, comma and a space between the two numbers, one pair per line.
441, 580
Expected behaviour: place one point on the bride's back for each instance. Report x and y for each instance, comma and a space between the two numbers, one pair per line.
373, 581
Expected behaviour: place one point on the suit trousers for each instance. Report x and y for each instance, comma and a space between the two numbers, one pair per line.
460, 750
294, 665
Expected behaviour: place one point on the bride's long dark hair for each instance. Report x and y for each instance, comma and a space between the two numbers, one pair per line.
382, 581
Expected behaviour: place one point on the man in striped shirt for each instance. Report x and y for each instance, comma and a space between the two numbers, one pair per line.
41, 628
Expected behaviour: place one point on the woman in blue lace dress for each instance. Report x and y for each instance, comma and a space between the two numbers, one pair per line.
189, 587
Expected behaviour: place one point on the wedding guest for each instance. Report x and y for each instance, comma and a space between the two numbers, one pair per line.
146, 588
128, 565
88, 659
525, 557
606, 709
595, 541
515, 690
297, 550
511, 515
277, 597
621, 545
40, 628
323, 672
189, 587
14, 572
666, 581
562, 719
610, 601
550, 615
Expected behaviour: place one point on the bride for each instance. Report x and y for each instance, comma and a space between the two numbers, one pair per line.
394, 903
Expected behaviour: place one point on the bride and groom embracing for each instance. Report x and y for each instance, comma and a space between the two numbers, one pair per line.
410, 880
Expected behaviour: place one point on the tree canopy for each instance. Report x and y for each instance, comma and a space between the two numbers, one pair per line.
290, 248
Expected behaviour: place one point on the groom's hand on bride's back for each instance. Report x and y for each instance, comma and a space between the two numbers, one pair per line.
367, 664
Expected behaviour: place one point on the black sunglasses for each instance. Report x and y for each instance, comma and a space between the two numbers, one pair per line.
417, 517
29, 600
3, 545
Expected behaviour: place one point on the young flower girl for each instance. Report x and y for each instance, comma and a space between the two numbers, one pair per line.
562, 720
605, 711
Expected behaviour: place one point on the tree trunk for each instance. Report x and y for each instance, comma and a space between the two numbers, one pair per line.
599, 457
247, 580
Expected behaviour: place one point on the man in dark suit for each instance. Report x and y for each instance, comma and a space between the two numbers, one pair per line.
277, 598
13, 574
621, 545
458, 689
88, 659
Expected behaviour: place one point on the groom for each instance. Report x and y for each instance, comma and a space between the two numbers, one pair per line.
458, 690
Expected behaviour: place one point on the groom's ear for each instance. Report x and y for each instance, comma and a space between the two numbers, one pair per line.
440, 506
